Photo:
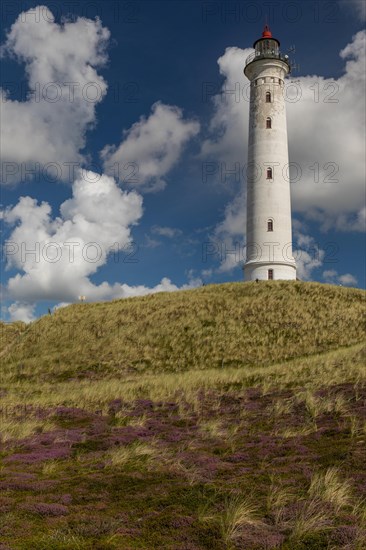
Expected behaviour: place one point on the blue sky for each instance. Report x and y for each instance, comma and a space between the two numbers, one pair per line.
159, 93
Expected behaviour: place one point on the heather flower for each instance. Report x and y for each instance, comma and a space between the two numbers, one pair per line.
44, 509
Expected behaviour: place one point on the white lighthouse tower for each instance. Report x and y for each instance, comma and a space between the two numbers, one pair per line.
269, 235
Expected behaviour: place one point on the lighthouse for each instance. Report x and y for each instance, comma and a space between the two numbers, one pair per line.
269, 234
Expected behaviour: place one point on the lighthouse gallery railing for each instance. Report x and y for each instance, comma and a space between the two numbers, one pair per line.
256, 55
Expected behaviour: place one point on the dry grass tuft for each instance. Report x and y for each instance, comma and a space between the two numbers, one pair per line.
237, 514
299, 431
137, 451
15, 429
51, 467
309, 519
277, 499
329, 487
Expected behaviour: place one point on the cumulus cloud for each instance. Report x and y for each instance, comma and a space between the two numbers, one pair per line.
21, 312
150, 148
326, 139
56, 256
64, 90
332, 276
358, 7
228, 236
228, 128
306, 262
347, 279
308, 254
165, 285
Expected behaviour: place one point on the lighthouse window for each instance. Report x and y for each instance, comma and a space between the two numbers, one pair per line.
270, 274
268, 122
270, 225
269, 172
268, 97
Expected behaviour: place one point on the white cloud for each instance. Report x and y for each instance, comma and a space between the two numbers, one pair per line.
165, 285
228, 236
307, 253
150, 148
207, 273
151, 243
228, 129
226, 148
21, 312
169, 232
58, 255
60, 63
331, 276
330, 136
306, 262
347, 279
358, 7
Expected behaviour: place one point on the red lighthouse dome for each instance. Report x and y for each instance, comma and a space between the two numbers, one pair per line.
267, 41
266, 32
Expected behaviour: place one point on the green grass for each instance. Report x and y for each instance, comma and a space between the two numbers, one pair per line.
226, 325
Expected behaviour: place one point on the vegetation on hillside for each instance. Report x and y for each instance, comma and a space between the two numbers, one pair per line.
219, 325
196, 420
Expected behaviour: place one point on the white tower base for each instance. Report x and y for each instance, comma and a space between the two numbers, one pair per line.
258, 270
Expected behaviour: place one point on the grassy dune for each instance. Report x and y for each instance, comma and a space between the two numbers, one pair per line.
232, 325
227, 417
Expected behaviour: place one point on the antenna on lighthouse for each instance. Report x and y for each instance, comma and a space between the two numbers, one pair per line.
292, 49
266, 22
